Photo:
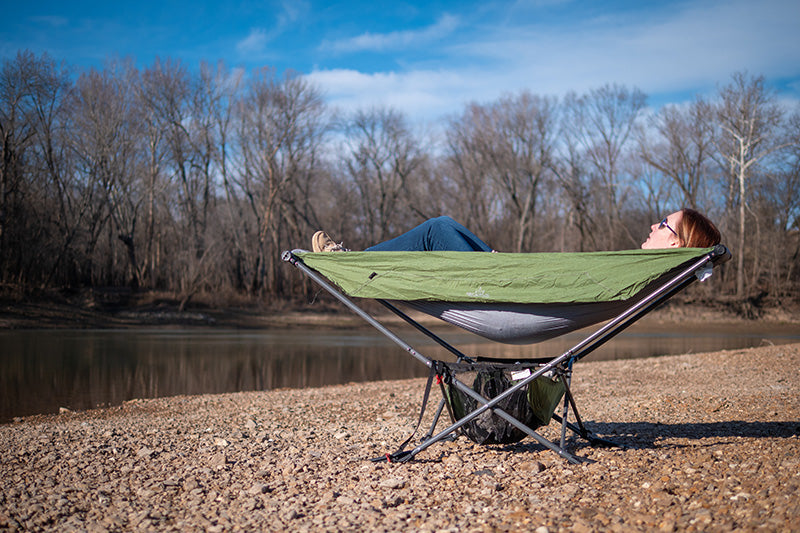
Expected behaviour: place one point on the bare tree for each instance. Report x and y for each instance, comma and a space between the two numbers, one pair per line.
105, 138
570, 169
50, 95
510, 144
776, 202
188, 119
179, 104
683, 148
155, 152
16, 135
601, 123
207, 132
279, 121
381, 158
467, 170
50, 203
747, 116
528, 127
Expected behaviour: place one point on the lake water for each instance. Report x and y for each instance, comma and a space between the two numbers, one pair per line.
43, 370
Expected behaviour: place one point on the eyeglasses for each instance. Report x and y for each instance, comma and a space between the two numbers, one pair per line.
663, 224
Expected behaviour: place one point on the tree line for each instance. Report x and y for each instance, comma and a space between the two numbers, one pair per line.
194, 180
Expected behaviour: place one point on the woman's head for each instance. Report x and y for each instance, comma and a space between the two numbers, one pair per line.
686, 228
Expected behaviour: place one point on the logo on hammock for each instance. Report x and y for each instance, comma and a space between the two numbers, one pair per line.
480, 293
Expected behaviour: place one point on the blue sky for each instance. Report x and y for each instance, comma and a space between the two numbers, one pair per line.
429, 58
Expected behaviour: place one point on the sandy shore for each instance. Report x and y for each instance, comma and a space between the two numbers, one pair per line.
713, 445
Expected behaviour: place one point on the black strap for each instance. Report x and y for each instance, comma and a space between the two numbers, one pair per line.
399, 453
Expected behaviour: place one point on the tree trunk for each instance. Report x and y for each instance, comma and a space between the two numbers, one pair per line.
740, 254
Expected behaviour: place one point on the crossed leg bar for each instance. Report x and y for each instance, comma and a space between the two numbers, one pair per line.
487, 404
569, 403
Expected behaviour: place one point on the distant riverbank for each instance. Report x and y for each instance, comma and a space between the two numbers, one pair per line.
114, 309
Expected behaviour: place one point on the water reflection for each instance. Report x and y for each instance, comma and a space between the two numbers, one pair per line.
41, 371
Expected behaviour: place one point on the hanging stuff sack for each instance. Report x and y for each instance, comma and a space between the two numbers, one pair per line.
533, 406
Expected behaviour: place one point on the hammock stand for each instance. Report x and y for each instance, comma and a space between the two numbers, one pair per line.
557, 369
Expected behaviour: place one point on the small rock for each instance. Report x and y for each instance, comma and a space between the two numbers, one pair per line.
667, 526
144, 452
532, 466
258, 488
393, 483
218, 461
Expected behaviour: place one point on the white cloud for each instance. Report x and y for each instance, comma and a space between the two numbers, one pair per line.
688, 47
253, 43
711, 41
704, 43
293, 10
423, 95
292, 13
445, 25
258, 38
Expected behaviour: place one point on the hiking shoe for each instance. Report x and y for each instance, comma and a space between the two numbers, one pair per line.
321, 242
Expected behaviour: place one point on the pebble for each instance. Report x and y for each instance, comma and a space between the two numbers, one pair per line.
709, 447
393, 483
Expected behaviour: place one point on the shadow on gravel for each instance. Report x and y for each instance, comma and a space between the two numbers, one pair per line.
644, 435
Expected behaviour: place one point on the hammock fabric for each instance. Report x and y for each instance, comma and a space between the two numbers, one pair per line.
497, 277
508, 298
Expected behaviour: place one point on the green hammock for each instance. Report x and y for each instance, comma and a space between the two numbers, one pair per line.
483, 277
515, 298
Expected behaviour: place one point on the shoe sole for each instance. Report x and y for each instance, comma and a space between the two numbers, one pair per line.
317, 241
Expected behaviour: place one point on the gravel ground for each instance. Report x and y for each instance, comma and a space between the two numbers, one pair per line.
712, 445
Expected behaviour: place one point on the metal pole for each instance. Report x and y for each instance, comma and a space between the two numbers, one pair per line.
419, 327
489, 404
294, 260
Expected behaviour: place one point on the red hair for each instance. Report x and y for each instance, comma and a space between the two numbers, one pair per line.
695, 230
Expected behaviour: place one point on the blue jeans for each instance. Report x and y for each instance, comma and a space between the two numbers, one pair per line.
435, 234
